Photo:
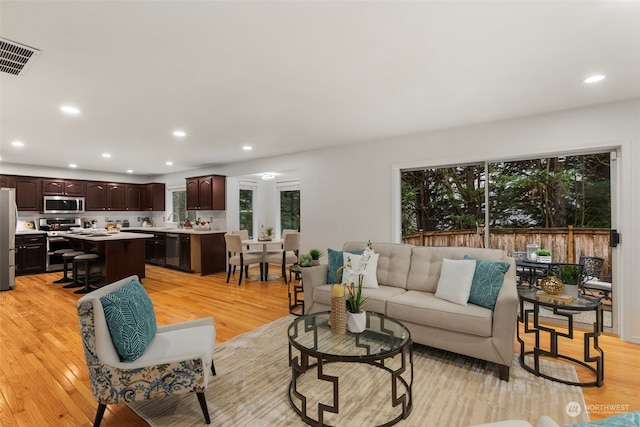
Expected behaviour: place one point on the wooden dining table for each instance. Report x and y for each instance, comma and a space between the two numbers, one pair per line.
264, 244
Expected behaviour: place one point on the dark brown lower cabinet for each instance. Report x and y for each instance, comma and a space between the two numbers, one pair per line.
31, 254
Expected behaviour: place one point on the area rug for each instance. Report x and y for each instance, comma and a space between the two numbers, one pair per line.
251, 389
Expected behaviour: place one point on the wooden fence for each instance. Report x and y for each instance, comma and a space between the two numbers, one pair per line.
566, 244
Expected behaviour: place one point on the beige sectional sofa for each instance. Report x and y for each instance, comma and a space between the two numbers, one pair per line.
408, 277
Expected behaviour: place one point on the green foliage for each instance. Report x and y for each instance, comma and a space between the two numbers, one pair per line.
305, 260
290, 209
546, 192
315, 254
543, 252
569, 274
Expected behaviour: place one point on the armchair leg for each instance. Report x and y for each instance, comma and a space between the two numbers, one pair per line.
203, 405
99, 414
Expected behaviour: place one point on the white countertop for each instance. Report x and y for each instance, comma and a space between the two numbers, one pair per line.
110, 236
24, 232
175, 230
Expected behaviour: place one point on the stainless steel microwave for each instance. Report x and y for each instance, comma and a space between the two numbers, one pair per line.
63, 204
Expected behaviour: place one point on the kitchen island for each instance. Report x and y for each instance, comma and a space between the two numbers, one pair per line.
123, 253
186, 249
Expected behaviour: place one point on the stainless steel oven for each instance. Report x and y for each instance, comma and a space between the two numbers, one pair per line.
56, 228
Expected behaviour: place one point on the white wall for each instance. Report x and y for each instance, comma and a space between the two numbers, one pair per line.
347, 192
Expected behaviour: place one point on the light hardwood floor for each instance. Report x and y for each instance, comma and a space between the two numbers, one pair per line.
43, 375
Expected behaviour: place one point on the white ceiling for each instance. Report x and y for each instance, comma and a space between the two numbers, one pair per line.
287, 76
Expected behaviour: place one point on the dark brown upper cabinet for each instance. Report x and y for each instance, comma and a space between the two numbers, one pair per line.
153, 196
60, 187
28, 194
206, 193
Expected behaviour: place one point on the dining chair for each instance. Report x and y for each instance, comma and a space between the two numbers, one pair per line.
287, 256
236, 256
244, 235
130, 358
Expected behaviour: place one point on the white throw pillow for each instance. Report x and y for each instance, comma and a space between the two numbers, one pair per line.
370, 272
456, 276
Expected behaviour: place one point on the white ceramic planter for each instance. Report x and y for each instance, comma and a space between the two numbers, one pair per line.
546, 258
571, 290
356, 322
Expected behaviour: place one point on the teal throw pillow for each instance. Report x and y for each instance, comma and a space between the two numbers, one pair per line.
627, 419
487, 281
335, 262
131, 319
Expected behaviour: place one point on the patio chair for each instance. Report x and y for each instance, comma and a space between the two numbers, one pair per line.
520, 271
592, 277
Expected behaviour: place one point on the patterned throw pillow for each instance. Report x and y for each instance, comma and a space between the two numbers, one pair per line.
335, 262
131, 319
487, 282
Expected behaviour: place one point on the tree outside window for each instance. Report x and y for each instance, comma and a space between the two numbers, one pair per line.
246, 211
290, 209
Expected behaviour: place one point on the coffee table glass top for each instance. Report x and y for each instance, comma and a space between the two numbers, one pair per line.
383, 336
581, 303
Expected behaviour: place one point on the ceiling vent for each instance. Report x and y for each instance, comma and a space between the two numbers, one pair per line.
16, 58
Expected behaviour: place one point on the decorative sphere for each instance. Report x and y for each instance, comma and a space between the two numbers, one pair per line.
552, 285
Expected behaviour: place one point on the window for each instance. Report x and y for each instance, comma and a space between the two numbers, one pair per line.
289, 205
246, 210
179, 203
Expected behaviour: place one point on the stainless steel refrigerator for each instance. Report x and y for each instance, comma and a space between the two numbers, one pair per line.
8, 219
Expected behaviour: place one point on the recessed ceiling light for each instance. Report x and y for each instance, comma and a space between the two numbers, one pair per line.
247, 148
73, 165
129, 170
594, 79
179, 133
17, 144
69, 109
106, 155
169, 163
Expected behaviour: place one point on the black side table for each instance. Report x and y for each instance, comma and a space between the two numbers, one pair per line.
593, 357
295, 299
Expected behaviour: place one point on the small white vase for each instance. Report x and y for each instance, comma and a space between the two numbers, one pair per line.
571, 290
356, 322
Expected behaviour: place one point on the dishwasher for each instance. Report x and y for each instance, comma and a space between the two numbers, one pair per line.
173, 250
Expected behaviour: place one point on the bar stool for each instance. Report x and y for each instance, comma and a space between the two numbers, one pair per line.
67, 258
65, 278
84, 260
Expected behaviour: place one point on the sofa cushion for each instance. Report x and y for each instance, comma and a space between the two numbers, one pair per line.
424, 308
487, 281
335, 261
130, 318
426, 261
377, 302
394, 262
455, 280
370, 279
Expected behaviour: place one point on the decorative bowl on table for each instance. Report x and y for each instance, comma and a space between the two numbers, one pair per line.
552, 285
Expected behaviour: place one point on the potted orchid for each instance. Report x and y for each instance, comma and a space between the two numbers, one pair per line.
356, 316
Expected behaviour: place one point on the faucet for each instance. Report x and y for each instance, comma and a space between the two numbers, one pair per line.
173, 214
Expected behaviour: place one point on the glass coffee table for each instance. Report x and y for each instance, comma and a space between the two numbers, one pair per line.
313, 346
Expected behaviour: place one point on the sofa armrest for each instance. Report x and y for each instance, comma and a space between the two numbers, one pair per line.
312, 277
505, 319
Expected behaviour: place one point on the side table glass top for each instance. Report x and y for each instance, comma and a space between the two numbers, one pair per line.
383, 335
582, 303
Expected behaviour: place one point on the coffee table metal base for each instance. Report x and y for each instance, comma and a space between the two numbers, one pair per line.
399, 395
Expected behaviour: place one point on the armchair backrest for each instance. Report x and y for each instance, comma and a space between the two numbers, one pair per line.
96, 340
